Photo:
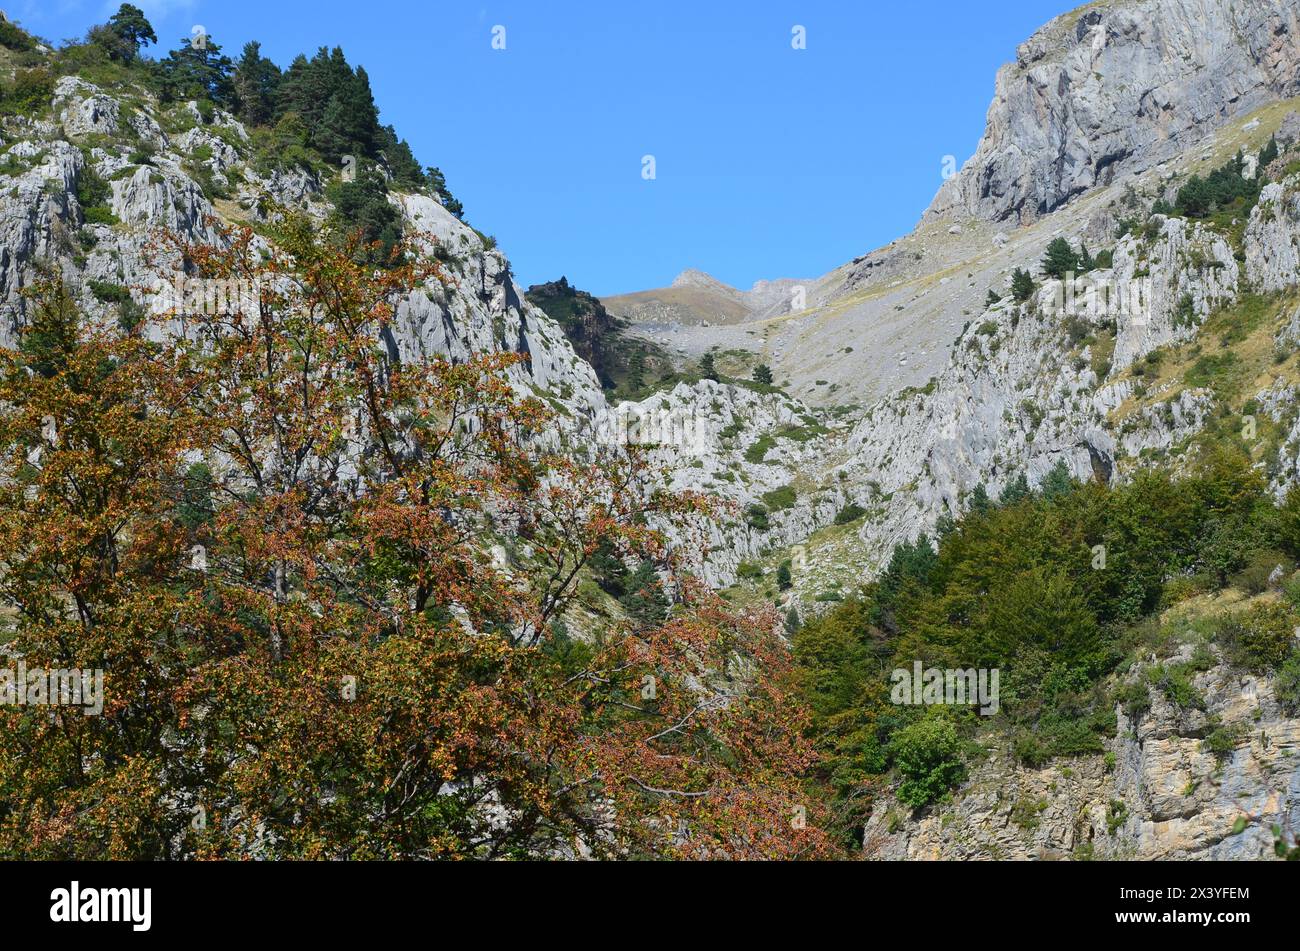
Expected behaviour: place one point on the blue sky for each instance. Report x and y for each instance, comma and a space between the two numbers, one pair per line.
770, 161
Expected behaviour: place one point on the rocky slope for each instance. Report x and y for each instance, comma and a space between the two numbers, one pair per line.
154, 160
1162, 789
1119, 87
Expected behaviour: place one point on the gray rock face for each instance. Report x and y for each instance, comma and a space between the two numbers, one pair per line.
1273, 237
41, 220
1158, 793
1117, 89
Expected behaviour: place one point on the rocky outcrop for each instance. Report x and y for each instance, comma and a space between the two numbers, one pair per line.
153, 191
1111, 89
1273, 237
1159, 792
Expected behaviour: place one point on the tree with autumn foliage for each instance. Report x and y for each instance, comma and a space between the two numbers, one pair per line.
275, 532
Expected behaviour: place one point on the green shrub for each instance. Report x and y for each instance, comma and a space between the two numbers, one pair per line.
927, 755
1134, 699
1222, 740
1027, 748
1116, 815
11, 37
1286, 685
1259, 639
756, 453
850, 513
1175, 682
756, 517
93, 194
1253, 578
780, 499
29, 94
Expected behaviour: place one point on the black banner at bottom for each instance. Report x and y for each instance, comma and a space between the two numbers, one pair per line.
141, 902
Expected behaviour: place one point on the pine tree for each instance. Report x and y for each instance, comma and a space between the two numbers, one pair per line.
707, 370
200, 72
399, 158
1060, 259
608, 569
1057, 482
131, 26
1267, 156
363, 205
350, 122
438, 184
636, 371
763, 374
783, 579
255, 81
980, 504
1015, 491
645, 601
1022, 285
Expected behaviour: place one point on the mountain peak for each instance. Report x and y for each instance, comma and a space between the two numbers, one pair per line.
1111, 90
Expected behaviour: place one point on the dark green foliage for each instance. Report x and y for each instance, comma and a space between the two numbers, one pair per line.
126, 31
850, 513
1201, 197
349, 124
756, 517
763, 374
1016, 490
256, 81
608, 569
1022, 285
1269, 153
1286, 686
778, 500
362, 205
29, 94
1057, 482
927, 755
14, 38
1259, 639
1013, 587
93, 194
130, 314
1060, 259
401, 161
645, 601
196, 70
1134, 699
707, 370
438, 185
783, 579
